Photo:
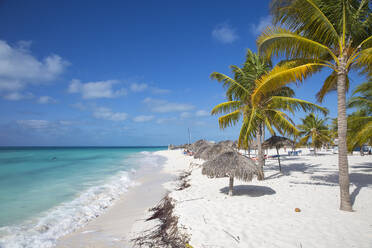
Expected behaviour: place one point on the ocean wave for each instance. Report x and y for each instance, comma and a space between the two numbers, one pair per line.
69, 216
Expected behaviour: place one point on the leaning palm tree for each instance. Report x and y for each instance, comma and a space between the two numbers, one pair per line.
360, 122
316, 34
314, 128
268, 112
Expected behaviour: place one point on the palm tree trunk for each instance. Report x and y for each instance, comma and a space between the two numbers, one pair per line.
261, 175
277, 152
262, 141
343, 166
231, 186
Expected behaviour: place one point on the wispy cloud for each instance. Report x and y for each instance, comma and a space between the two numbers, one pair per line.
257, 28
165, 120
156, 90
163, 106
143, 118
201, 113
224, 33
185, 115
79, 106
46, 100
138, 87
15, 96
99, 89
108, 114
19, 68
45, 124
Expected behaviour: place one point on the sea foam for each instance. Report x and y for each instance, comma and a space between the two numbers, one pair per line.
69, 216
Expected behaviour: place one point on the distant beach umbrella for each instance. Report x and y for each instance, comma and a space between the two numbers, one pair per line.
201, 149
233, 165
213, 151
277, 142
226, 143
198, 144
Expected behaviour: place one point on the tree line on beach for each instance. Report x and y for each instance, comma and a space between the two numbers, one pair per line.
309, 36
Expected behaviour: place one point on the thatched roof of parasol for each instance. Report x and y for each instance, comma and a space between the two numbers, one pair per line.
230, 164
198, 144
201, 149
213, 151
277, 141
226, 143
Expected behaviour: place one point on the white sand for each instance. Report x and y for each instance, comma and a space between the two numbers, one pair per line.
112, 228
261, 213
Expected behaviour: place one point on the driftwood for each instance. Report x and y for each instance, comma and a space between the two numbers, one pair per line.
166, 234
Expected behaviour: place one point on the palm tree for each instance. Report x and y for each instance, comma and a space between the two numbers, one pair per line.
360, 122
314, 128
316, 34
269, 112
238, 92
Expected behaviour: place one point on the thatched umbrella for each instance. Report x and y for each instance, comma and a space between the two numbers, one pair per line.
226, 143
201, 149
213, 151
198, 144
277, 142
231, 164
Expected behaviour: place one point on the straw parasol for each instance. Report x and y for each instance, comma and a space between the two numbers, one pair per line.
213, 151
198, 144
201, 149
226, 143
277, 142
230, 164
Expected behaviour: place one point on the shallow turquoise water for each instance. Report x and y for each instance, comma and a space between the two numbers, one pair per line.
38, 182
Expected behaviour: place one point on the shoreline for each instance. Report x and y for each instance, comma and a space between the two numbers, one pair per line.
112, 228
211, 218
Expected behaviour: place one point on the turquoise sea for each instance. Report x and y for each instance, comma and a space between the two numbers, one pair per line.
47, 192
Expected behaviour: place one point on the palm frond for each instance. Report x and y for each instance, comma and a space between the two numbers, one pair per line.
280, 76
229, 119
283, 42
293, 104
226, 107
308, 16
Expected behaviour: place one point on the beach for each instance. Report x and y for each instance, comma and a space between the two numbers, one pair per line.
259, 214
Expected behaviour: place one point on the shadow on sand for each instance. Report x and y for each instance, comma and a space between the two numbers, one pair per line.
249, 190
360, 180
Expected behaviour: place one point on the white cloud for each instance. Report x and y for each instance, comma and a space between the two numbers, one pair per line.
46, 100
19, 68
163, 106
107, 114
34, 124
99, 89
160, 91
164, 120
185, 115
202, 113
15, 96
79, 106
257, 29
54, 127
224, 33
143, 118
137, 87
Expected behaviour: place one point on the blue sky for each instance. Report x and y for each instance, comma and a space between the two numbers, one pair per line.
123, 72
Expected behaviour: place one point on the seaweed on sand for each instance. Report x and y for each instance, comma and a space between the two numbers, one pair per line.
166, 234
184, 181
